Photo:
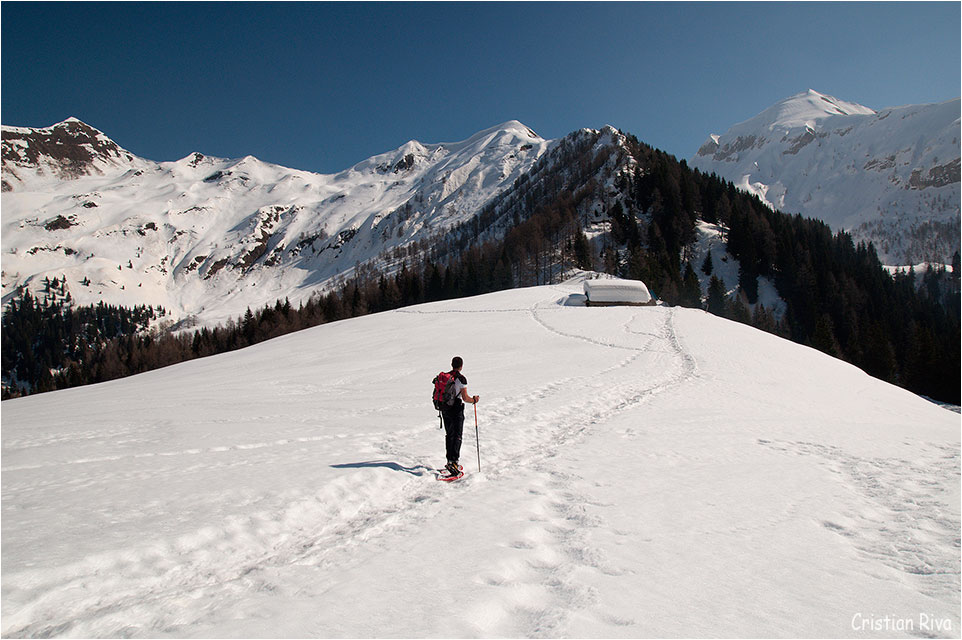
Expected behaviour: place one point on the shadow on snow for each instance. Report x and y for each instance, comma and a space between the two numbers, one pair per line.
419, 470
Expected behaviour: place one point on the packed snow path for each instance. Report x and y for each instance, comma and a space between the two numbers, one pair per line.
645, 472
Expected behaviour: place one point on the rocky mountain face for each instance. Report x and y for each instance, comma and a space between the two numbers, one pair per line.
65, 151
207, 237
891, 177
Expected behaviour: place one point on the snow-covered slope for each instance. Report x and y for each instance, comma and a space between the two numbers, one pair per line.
891, 177
645, 472
207, 237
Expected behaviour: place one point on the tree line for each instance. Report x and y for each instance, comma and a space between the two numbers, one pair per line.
47, 343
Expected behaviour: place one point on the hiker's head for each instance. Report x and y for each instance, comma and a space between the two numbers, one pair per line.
457, 362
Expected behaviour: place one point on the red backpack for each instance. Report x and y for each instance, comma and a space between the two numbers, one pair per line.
444, 396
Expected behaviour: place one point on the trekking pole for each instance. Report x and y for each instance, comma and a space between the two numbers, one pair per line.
476, 436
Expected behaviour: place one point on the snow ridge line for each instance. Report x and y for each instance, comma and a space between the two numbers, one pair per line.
469, 311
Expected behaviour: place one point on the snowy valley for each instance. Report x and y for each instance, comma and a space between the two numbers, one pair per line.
651, 471
889, 177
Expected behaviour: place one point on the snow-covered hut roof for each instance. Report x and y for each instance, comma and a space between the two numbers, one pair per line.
615, 291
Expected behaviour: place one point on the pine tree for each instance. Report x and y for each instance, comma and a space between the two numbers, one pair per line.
691, 289
824, 338
716, 297
248, 326
707, 267
582, 251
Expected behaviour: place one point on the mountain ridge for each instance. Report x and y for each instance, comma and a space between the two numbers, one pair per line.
593, 200
194, 233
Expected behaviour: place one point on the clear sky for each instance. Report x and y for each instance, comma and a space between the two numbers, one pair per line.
321, 86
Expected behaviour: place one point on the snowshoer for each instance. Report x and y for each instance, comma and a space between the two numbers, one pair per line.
453, 416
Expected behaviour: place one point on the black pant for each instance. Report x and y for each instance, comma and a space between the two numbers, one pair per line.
453, 429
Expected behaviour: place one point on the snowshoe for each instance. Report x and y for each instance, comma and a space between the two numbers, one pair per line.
447, 476
452, 471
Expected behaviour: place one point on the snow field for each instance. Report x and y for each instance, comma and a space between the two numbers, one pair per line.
645, 472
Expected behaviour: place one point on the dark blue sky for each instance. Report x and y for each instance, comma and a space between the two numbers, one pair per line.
322, 86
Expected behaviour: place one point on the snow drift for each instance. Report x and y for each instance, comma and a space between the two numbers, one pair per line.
647, 472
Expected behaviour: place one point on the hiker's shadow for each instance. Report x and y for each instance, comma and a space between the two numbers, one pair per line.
419, 470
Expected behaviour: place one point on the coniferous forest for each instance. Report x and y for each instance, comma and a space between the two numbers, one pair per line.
904, 329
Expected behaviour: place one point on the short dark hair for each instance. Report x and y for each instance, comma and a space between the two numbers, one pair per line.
457, 362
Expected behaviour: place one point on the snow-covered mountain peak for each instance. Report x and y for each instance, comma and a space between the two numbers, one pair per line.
802, 110
61, 132
511, 132
64, 151
70, 124
808, 106
196, 159
890, 177
413, 146
511, 127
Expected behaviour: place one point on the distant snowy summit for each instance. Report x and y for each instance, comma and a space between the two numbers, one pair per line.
207, 237
64, 151
802, 110
891, 177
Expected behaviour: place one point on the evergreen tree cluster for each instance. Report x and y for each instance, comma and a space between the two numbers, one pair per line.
838, 296
840, 300
48, 344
